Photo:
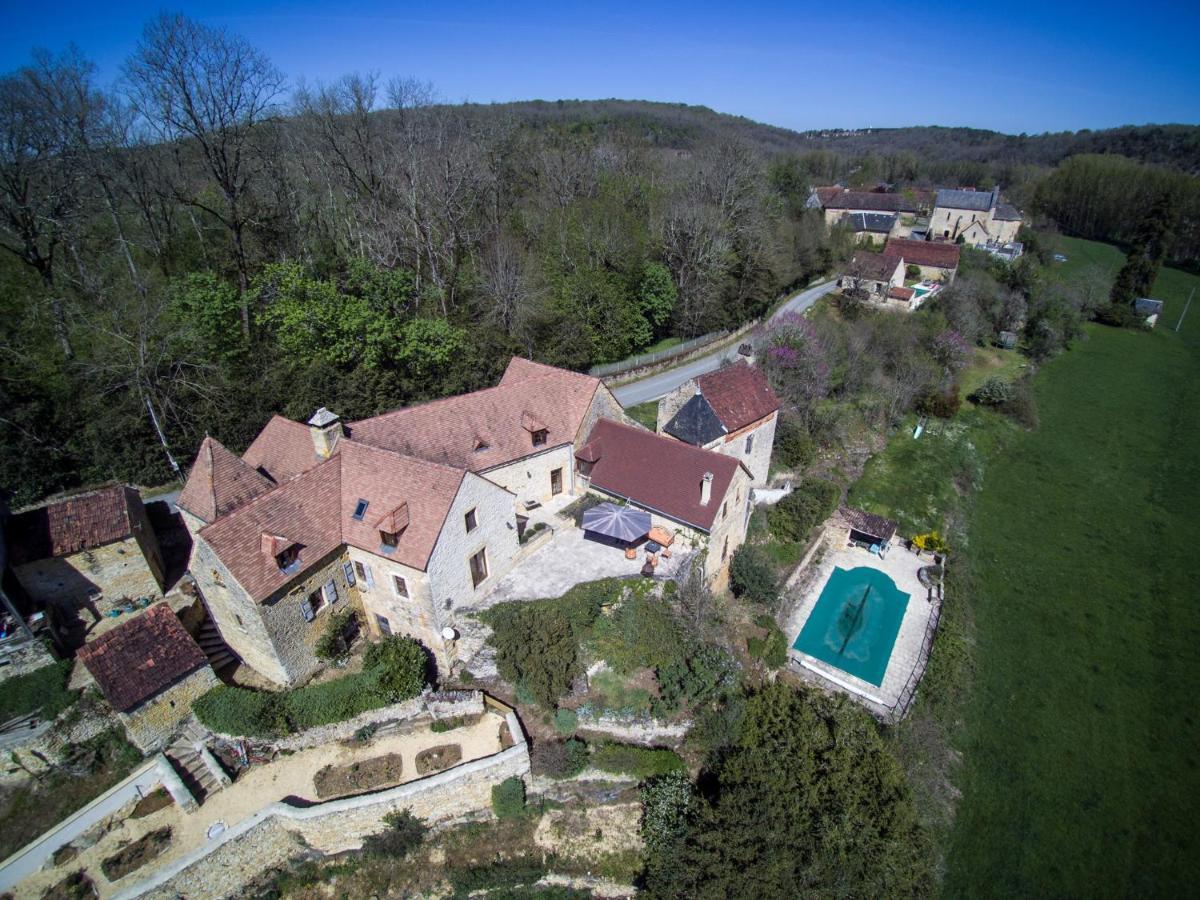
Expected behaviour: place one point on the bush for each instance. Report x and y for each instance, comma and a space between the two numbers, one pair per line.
912, 272
701, 675
993, 392
496, 875
333, 645
1119, 315
399, 665
405, 833
1021, 406
794, 447
772, 649
941, 404
811, 501
752, 575
666, 801
641, 762
641, 632
508, 798
440, 726
44, 689
565, 721
559, 759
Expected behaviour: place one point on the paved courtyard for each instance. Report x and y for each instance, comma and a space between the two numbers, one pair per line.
901, 566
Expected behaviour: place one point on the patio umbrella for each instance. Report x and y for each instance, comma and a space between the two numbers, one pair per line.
621, 522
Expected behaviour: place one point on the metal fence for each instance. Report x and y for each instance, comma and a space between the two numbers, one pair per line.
908, 693
649, 359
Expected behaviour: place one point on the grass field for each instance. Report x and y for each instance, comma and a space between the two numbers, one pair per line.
1081, 744
645, 413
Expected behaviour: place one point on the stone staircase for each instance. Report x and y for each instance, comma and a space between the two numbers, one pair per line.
198, 768
214, 646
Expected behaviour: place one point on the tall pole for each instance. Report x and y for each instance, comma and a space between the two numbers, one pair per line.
1185, 309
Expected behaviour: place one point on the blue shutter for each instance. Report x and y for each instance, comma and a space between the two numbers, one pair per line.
306, 609
348, 568
331, 594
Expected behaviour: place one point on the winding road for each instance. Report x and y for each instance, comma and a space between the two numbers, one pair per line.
654, 386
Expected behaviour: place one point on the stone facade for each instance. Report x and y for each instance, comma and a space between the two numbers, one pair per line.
530, 478
949, 223
23, 658
729, 529
151, 724
761, 434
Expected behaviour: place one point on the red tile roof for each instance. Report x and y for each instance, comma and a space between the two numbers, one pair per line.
487, 428
901, 293
395, 487
658, 473
923, 253
303, 511
283, 449
67, 526
219, 482
142, 657
825, 194
738, 394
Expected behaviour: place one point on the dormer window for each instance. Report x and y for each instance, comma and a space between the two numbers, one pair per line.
540, 436
480, 445
538, 430
360, 510
288, 559
391, 527
285, 553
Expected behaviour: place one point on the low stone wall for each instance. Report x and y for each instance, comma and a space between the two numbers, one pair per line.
719, 341
279, 831
650, 732
23, 658
434, 704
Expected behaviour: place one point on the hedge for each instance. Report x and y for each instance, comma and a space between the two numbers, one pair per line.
508, 798
390, 675
44, 689
641, 762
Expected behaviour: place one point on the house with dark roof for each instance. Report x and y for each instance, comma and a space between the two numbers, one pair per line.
972, 217
874, 273
410, 515
871, 228
699, 494
83, 555
902, 208
150, 670
732, 411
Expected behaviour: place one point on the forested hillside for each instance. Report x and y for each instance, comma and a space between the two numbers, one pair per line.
205, 243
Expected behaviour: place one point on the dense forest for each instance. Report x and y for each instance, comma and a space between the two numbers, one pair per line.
203, 244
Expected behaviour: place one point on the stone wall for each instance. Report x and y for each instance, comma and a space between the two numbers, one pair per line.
529, 477
279, 831
150, 725
671, 402
24, 658
411, 615
758, 460
729, 528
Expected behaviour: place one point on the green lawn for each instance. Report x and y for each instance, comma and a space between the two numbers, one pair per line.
1081, 254
1081, 745
645, 413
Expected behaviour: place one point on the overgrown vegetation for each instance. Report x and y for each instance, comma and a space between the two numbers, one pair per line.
508, 798
394, 669
640, 762
43, 689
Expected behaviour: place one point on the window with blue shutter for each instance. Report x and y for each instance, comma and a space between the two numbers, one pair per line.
330, 590
348, 568
306, 609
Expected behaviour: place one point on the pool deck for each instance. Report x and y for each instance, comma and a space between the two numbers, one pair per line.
901, 566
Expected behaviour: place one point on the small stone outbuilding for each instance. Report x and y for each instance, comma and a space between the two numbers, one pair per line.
151, 671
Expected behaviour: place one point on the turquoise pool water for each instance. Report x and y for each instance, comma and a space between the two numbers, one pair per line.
855, 622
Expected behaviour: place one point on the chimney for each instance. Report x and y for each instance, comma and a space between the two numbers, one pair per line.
706, 489
325, 428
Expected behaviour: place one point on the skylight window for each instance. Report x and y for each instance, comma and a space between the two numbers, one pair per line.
360, 510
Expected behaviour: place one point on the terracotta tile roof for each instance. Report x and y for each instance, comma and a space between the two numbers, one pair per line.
739, 394
303, 511
825, 194
487, 428
869, 523
219, 482
901, 293
396, 488
875, 266
924, 253
872, 202
659, 473
142, 657
67, 526
283, 449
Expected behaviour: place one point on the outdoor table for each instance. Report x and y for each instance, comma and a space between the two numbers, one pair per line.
653, 546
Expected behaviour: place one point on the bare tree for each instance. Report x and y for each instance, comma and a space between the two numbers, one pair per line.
195, 83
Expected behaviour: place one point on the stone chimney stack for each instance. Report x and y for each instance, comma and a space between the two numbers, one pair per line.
325, 428
706, 488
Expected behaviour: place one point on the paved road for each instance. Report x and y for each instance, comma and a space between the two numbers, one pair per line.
654, 386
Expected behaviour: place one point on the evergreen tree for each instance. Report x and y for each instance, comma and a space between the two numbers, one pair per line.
1151, 243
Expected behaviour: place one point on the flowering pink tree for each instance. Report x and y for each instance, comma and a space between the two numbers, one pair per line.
796, 361
951, 351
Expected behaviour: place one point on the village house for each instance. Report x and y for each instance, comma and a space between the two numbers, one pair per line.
408, 516
842, 206
150, 671
697, 494
732, 411
973, 217
875, 273
935, 261
89, 553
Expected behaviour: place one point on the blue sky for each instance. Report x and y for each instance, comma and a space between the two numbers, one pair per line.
1014, 67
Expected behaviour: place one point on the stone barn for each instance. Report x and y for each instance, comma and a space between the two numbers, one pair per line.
150, 671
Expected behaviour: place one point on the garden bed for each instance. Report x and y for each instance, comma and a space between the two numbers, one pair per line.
134, 856
359, 777
435, 759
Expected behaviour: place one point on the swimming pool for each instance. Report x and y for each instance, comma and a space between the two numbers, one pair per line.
855, 622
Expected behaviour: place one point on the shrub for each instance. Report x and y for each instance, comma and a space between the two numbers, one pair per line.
565, 721
993, 392
794, 447
1021, 406
752, 576
496, 875
641, 632
641, 762
666, 801
508, 798
440, 726
701, 675
243, 712
559, 759
1119, 315
810, 502
772, 649
44, 689
332, 645
942, 404
912, 272
399, 665
405, 833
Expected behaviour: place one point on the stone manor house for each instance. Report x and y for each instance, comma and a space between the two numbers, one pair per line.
416, 514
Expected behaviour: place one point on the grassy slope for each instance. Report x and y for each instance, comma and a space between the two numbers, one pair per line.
1081, 748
